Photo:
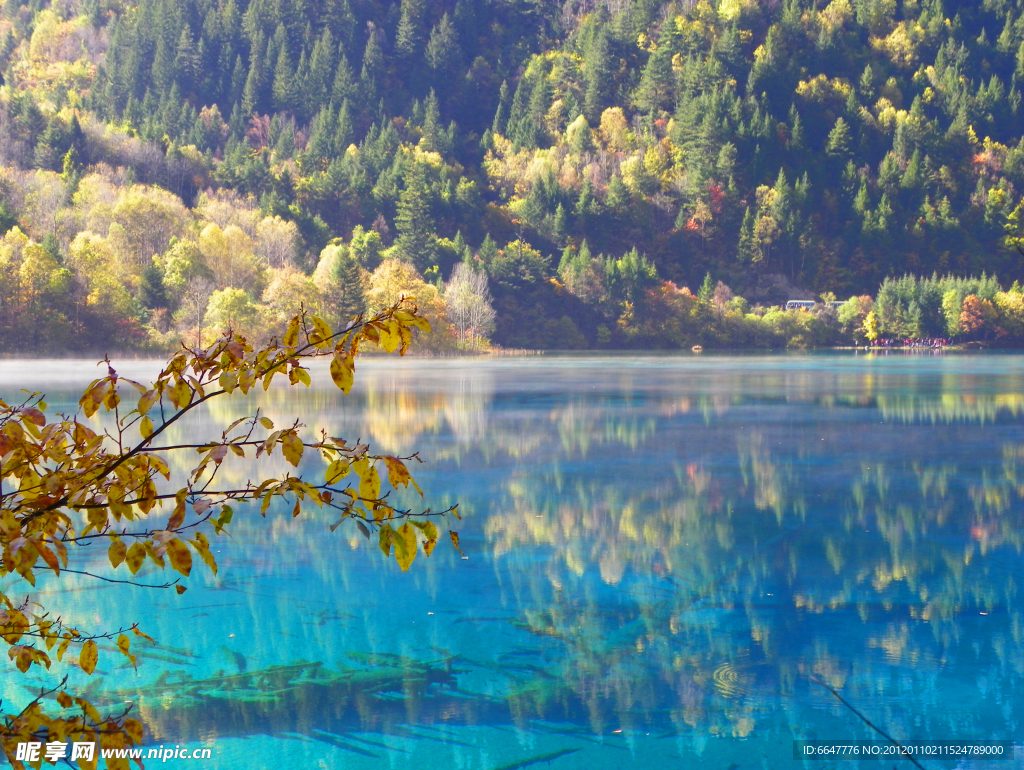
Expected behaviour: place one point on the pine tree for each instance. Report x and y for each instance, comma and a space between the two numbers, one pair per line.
597, 76
745, 250
373, 68
162, 73
838, 144
348, 297
186, 62
707, 289
344, 81
432, 130
320, 146
500, 123
284, 93
413, 222
343, 133
488, 251
316, 90
444, 55
255, 81
409, 36
656, 84
338, 18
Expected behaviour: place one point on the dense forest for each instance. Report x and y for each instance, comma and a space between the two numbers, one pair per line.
536, 173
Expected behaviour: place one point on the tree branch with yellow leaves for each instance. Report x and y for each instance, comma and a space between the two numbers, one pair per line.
65, 485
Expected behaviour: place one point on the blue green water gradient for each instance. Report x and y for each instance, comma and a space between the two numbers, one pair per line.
668, 559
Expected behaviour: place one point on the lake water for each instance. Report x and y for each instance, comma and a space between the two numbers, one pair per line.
669, 558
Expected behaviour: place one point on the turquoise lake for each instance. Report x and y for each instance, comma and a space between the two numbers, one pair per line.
667, 561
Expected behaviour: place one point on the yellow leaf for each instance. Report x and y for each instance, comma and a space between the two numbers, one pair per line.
291, 336
64, 699
147, 400
135, 556
385, 537
88, 657
321, 334
146, 427
180, 556
202, 546
228, 381
342, 373
405, 545
455, 539
62, 649
292, 447
336, 471
180, 589
123, 644
134, 729
117, 552
397, 472
266, 423
369, 485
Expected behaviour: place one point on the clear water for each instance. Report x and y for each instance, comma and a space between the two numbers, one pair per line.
666, 557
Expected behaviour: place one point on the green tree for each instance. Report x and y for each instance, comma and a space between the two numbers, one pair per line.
838, 144
415, 226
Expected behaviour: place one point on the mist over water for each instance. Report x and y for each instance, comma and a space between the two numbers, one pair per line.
668, 557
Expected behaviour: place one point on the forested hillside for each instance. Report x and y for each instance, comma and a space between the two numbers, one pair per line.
538, 173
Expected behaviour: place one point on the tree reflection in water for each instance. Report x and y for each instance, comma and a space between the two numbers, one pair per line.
663, 546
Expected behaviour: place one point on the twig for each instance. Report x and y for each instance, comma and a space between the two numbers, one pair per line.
865, 720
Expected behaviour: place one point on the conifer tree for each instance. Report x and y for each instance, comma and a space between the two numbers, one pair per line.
597, 75
349, 298
284, 92
444, 56
186, 62
410, 33
500, 123
413, 222
838, 144
316, 85
657, 82
344, 86
255, 81
373, 69
343, 133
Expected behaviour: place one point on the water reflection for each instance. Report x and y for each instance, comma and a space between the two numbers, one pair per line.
664, 547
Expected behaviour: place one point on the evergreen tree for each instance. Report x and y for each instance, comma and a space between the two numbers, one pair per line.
410, 33
373, 69
444, 55
186, 62
285, 93
348, 296
316, 90
343, 133
253, 98
657, 82
432, 131
838, 144
597, 75
500, 123
413, 222
344, 81
745, 250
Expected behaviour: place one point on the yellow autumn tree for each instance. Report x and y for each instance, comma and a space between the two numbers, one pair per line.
69, 483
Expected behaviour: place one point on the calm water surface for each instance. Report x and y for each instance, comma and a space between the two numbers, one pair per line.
666, 557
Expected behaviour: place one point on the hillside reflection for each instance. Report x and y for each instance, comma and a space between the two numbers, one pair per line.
674, 548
